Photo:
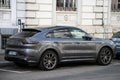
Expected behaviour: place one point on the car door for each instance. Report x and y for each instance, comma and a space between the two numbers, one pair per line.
83, 45
62, 38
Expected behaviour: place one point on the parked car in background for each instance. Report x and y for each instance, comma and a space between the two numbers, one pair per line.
49, 46
116, 39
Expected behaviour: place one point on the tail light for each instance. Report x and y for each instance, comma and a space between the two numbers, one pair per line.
111, 39
30, 42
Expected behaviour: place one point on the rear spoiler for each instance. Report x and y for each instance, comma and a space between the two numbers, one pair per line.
30, 29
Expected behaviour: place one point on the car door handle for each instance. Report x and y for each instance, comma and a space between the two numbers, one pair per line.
77, 42
84, 43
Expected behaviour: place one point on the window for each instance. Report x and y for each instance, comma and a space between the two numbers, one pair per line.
115, 5
66, 5
61, 33
4, 40
5, 4
27, 33
118, 4
77, 33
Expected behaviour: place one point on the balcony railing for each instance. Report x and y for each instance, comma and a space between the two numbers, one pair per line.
4, 4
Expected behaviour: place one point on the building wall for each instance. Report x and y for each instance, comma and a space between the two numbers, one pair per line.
39, 13
8, 21
89, 15
92, 16
115, 21
115, 16
95, 17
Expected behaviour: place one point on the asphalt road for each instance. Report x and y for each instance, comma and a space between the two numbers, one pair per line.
65, 71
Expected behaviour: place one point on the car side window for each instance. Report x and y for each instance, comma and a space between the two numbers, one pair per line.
49, 35
77, 33
59, 33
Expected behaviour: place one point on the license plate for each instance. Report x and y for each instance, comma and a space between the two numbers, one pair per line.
12, 53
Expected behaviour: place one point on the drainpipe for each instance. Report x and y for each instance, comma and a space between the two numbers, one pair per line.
103, 21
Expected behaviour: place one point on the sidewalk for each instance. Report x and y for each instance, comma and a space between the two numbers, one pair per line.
2, 57
3, 63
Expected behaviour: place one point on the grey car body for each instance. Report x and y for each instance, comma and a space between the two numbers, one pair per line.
49, 46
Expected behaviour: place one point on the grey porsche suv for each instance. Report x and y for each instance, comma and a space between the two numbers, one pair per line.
49, 46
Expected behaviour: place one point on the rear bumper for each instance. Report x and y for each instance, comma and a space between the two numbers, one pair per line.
20, 60
28, 56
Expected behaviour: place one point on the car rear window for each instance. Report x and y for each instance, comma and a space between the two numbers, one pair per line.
116, 35
27, 33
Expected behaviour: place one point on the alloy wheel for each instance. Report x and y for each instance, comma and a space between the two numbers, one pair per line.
105, 56
49, 60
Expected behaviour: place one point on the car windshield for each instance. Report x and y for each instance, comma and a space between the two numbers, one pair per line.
116, 35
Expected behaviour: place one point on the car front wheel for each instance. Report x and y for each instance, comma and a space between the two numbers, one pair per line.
104, 56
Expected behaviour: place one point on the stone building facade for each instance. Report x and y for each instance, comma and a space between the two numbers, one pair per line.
93, 16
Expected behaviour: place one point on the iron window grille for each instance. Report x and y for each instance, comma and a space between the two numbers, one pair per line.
119, 4
66, 5
4, 4
115, 5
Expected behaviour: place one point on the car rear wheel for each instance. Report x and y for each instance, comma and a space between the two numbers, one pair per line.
48, 60
105, 56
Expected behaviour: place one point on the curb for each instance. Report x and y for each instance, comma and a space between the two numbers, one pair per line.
5, 63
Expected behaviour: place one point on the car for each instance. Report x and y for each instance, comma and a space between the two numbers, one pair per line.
116, 39
47, 47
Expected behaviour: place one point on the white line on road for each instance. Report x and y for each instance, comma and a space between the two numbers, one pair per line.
14, 71
3, 62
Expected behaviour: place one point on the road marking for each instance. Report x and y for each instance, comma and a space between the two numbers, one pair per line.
3, 62
19, 72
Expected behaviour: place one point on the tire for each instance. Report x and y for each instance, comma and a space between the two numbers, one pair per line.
21, 64
104, 56
48, 61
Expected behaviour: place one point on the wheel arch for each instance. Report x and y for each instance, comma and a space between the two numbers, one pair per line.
104, 47
57, 52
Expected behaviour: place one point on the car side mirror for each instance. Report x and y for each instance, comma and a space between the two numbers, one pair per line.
88, 38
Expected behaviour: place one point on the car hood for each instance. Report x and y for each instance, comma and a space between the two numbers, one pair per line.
116, 39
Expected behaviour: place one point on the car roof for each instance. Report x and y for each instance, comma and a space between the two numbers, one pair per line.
46, 28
